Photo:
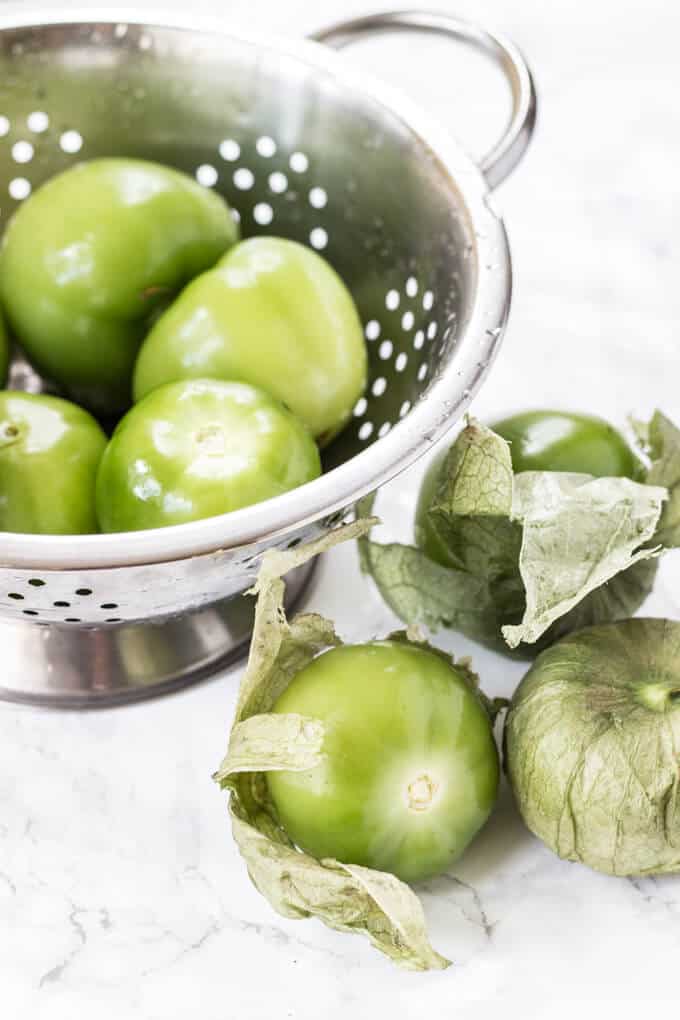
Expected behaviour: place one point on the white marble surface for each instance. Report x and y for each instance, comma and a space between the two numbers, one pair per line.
121, 893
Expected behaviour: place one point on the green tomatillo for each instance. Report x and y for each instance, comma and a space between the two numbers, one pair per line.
272, 313
409, 770
50, 450
88, 257
539, 441
565, 441
199, 448
592, 738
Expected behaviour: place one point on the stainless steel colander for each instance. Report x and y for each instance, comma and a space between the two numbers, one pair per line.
304, 146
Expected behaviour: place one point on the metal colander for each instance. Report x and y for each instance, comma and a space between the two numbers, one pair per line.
303, 146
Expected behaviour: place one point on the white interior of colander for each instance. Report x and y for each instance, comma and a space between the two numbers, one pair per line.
300, 148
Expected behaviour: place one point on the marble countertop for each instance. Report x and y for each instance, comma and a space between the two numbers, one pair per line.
122, 896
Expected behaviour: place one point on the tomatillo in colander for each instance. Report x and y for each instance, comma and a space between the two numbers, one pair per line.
539, 441
272, 313
88, 257
50, 450
199, 448
409, 769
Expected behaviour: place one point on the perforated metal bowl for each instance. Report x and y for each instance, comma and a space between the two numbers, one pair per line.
304, 146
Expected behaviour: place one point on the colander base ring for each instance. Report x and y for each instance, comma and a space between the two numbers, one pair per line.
97, 667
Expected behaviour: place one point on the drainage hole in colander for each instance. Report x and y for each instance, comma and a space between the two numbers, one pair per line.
71, 142
22, 152
30, 612
36, 582
229, 150
266, 146
263, 214
318, 238
299, 162
61, 605
372, 330
15, 595
278, 182
83, 591
38, 121
243, 178
19, 188
72, 619
206, 175
109, 605
113, 619
318, 198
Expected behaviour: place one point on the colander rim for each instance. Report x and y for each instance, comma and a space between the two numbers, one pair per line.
427, 422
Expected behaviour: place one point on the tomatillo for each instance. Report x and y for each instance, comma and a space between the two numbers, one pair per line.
272, 313
561, 441
409, 771
85, 261
49, 454
427, 537
539, 441
200, 448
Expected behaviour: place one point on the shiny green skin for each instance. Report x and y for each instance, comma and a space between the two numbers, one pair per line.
560, 441
272, 313
200, 448
427, 538
398, 719
539, 441
87, 258
4, 353
50, 450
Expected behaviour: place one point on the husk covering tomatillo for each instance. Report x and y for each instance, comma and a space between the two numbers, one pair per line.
592, 743
536, 555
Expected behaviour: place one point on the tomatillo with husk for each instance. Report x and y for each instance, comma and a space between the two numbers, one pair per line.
592, 739
566, 441
561, 441
409, 767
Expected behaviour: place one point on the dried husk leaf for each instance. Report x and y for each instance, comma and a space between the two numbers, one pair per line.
661, 441
578, 533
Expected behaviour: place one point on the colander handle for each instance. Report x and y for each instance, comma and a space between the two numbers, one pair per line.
506, 153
